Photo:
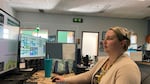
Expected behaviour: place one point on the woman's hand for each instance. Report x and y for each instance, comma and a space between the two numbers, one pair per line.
57, 79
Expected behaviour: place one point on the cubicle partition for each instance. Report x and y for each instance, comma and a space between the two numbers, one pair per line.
63, 55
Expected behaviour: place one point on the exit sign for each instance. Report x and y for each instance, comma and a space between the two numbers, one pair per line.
77, 20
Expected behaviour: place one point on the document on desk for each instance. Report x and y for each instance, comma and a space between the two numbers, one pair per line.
29, 69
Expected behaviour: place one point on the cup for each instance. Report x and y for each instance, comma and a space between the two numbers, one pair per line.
48, 67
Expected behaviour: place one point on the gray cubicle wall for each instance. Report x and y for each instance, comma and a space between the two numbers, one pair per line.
61, 50
54, 50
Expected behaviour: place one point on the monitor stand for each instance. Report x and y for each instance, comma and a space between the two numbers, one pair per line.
22, 67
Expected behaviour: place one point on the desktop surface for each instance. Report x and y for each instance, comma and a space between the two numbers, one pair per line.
40, 78
142, 62
15, 77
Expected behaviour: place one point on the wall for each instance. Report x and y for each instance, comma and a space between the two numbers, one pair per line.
4, 5
148, 26
53, 22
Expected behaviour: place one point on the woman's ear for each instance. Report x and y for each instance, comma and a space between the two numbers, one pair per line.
124, 44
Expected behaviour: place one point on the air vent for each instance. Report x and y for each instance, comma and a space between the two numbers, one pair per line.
148, 6
105, 8
41, 10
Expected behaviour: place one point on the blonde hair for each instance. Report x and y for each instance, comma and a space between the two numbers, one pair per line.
122, 34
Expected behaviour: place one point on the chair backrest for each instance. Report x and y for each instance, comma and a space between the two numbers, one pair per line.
55, 66
146, 54
66, 67
63, 66
86, 60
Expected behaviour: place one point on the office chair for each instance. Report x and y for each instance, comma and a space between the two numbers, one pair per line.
66, 67
61, 67
55, 66
86, 61
146, 55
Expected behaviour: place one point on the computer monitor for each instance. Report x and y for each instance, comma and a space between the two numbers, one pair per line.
9, 32
32, 47
32, 52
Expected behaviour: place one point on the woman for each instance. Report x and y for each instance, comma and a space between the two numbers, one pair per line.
117, 68
146, 48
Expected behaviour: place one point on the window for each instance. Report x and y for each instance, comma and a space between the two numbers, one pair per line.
90, 44
65, 36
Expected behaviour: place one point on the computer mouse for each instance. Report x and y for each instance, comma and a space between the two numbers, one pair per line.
54, 78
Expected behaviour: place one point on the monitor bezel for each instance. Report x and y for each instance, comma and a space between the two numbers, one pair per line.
7, 17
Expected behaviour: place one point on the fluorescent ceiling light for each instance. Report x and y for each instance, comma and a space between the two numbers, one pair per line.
141, 0
34, 4
87, 8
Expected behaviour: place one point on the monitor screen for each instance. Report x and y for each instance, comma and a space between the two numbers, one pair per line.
31, 46
65, 36
9, 32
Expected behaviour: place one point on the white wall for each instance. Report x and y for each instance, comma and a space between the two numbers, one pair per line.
53, 22
4, 5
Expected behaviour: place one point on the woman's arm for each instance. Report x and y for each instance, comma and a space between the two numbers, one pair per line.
86, 77
83, 78
128, 74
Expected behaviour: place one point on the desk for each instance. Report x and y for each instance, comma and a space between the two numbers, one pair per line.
146, 63
40, 78
136, 56
10, 82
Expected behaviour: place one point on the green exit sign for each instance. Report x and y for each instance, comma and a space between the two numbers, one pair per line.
77, 20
